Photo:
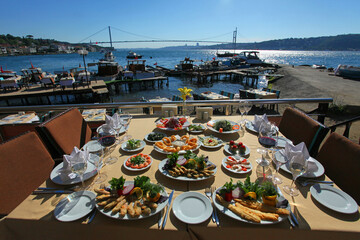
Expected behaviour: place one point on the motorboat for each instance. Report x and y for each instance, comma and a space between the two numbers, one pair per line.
4, 74
348, 71
186, 65
226, 54
133, 55
136, 69
108, 68
250, 57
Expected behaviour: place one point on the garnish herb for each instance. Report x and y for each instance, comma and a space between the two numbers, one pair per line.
117, 183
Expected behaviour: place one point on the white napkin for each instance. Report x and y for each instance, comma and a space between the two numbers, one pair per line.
76, 156
114, 121
258, 120
301, 154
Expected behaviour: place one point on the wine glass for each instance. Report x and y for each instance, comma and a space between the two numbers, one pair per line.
242, 110
265, 136
247, 107
79, 167
107, 139
275, 132
125, 119
279, 161
298, 166
101, 177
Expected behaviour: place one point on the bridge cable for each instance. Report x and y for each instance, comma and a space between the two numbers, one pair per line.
137, 35
93, 34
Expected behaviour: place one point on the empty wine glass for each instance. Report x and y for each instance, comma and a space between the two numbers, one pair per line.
242, 110
79, 167
125, 119
107, 138
298, 166
247, 107
101, 177
279, 161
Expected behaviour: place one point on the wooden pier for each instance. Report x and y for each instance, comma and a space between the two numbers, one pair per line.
129, 84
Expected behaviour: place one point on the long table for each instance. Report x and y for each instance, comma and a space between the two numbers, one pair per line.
310, 214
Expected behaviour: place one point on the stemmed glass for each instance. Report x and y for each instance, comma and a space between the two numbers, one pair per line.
79, 167
298, 166
247, 107
242, 110
107, 139
125, 119
265, 136
101, 177
279, 161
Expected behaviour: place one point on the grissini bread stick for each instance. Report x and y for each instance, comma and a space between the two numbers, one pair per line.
262, 215
262, 207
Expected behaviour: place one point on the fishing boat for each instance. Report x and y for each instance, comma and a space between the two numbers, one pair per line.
186, 65
226, 54
348, 71
136, 69
133, 55
4, 74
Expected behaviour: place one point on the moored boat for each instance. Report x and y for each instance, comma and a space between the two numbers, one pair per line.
133, 55
348, 71
250, 57
226, 54
186, 65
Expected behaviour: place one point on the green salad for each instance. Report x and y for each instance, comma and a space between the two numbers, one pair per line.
225, 125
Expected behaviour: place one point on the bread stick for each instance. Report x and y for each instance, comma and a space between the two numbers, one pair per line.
262, 215
262, 207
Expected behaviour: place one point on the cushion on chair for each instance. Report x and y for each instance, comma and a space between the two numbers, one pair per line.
9, 131
298, 127
25, 165
341, 160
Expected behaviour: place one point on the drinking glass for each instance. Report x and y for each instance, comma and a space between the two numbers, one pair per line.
275, 132
79, 167
101, 177
278, 163
125, 119
265, 136
107, 139
247, 107
298, 166
242, 110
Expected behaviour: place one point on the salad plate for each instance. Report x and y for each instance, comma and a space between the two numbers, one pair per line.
236, 167
57, 177
196, 128
334, 198
228, 150
192, 207
93, 146
233, 127
140, 145
210, 142
154, 137
143, 164
159, 208
75, 206
172, 124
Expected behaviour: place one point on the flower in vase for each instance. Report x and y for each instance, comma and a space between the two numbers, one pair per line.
185, 92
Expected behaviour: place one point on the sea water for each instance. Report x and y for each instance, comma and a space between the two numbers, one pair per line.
169, 58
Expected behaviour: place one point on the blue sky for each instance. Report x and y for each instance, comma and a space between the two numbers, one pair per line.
258, 20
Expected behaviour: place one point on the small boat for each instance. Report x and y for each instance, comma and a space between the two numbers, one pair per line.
136, 69
348, 71
4, 74
108, 69
186, 65
317, 66
250, 57
226, 54
133, 55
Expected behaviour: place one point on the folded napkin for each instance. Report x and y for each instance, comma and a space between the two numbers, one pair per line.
76, 156
114, 121
301, 155
258, 120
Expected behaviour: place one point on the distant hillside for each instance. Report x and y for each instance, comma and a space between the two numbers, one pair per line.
349, 42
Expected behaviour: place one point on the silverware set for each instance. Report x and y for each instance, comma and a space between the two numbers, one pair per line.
304, 183
162, 226
48, 190
209, 193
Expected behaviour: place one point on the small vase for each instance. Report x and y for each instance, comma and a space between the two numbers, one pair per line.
184, 109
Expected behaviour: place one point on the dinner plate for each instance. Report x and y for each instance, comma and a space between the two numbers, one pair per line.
220, 142
75, 206
212, 122
120, 131
127, 217
281, 141
154, 141
184, 126
192, 207
180, 152
229, 213
318, 173
56, 177
249, 126
235, 171
227, 150
183, 178
93, 146
142, 145
334, 198
137, 169
196, 131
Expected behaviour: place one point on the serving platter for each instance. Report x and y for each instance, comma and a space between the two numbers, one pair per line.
159, 125
182, 178
210, 125
227, 150
196, 131
124, 144
154, 141
127, 217
180, 152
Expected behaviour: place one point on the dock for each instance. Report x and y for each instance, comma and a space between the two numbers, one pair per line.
129, 84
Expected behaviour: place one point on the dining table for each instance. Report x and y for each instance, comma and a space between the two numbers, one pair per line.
314, 219
262, 94
21, 117
214, 96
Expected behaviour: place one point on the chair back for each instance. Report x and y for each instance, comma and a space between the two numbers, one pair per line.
298, 127
25, 165
8, 131
64, 131
341, 160
251, 95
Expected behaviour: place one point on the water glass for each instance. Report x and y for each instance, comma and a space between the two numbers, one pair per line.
79, 167
242, 110
279, 161
298, 166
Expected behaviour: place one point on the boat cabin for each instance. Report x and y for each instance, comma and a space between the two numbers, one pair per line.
136, 65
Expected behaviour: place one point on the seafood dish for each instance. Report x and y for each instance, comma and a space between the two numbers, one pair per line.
176, 144
240, 165
172, 124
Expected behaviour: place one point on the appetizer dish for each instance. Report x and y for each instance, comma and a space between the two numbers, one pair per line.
223, 126
252, 202
132, 199
187, 167
155, 136
173, 123
195, 128
133, 145
237, 148
176, 144
138, 162
241, 165
210, 142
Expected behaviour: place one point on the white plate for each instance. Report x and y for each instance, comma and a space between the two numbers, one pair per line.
120, 131
229, 213
180, 152
224, 132
197, 131
192, 207
235, 171
183, 178
227, 150
136, 169
151, 141
249, 126
55, 174
184, 126
93, 146
75, 206
211, 147
281, 141
142, 145
318, 173
334, 198
127, 217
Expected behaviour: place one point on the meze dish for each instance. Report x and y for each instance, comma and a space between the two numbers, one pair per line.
176, 144
189, 167
237, 148
195, 128
223, 126
172, 124
155, 136
131, 199
240, 165
251, 202
210, 142
138, 162
133, 145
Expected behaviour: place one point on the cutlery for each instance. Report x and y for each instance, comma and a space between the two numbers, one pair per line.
208, 193
50, 188
291, 221
90, 217
213, 189
311, 181
161, 218
294, 217
51, 191
167, 209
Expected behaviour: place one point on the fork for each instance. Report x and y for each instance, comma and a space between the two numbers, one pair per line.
310, 181
208, 194
213, 189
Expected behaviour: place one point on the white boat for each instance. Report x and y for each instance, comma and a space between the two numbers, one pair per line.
186, 65
250, 57
133, 55
348, 71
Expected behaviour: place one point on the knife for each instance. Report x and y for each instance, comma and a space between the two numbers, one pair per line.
161, 218
167, 209
52, 192
294, 218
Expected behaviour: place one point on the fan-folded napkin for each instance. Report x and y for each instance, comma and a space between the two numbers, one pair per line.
76, 156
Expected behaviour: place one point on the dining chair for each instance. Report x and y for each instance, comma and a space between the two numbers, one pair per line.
64, 131
25, 165
298, 127
341, 160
